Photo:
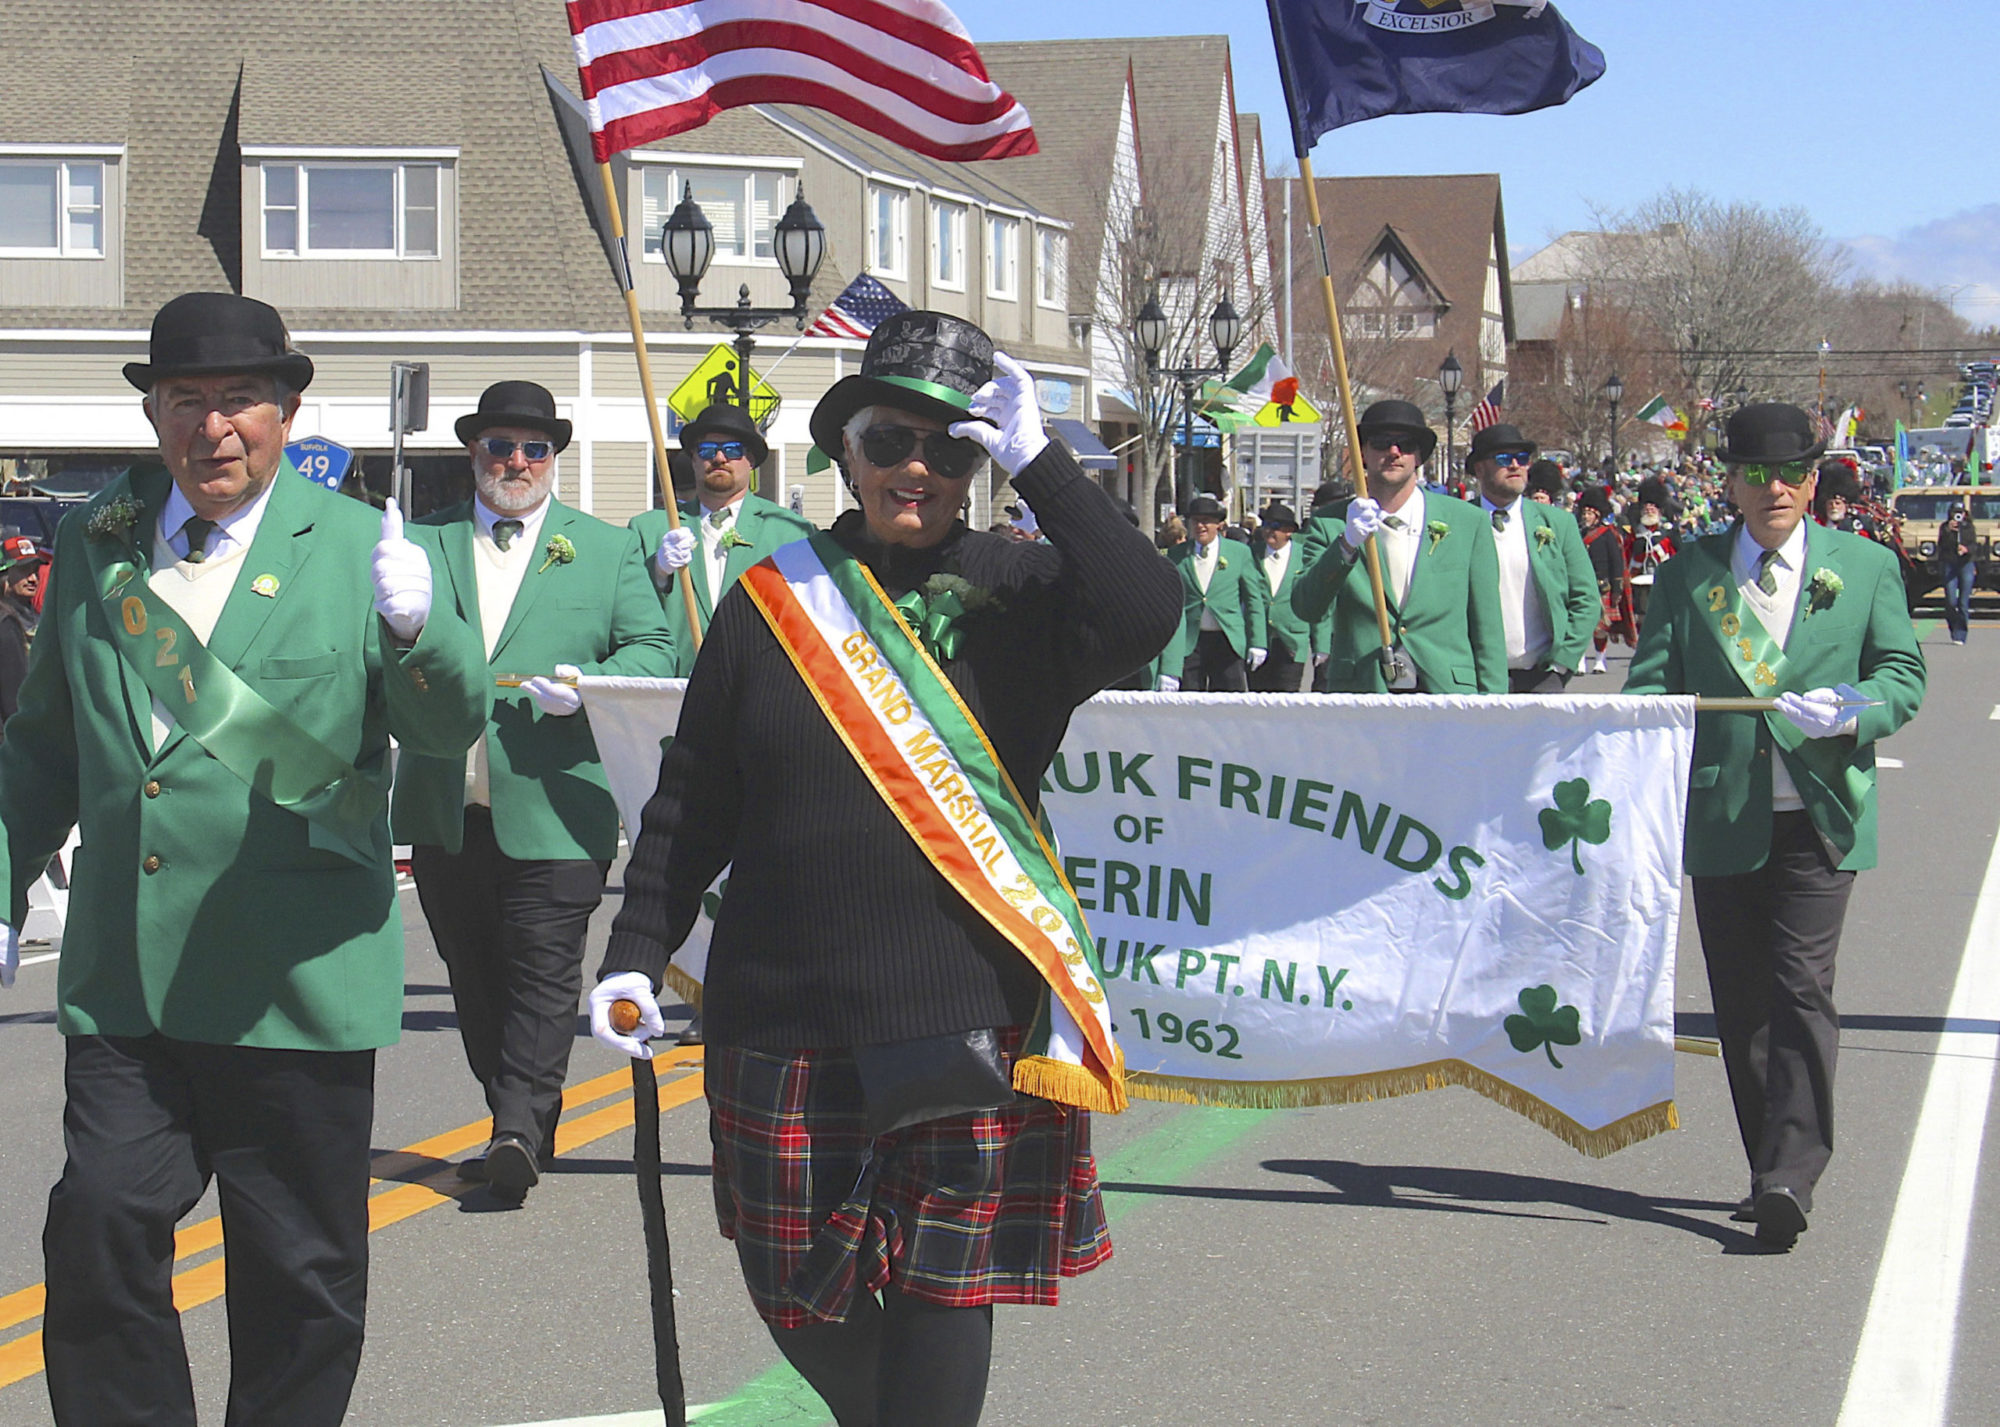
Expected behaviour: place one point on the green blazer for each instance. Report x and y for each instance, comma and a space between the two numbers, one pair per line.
1450, 625
1562, 570
1862, 638
1292, 637
249, 931
551, 800
765, 524
1238, 596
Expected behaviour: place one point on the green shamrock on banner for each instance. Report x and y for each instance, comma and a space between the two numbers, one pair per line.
1576, 819
711, 902
1543, 1023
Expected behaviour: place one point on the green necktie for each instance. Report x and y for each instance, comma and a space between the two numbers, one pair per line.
197, 532
1499, 520
1394, 522
504, 532
1767, 578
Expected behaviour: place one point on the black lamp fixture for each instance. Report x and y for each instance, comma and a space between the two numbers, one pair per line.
1225, 330
1614, 389
1451, 376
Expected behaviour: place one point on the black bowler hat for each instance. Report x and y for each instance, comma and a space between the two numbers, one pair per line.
1206, 507
925, 363
1547, 477
1279, 516
1397, 419
514, 404
726, 421
216, 333
1770, 433
1498, 437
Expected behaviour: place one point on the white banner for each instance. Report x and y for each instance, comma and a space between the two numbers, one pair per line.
1307, 900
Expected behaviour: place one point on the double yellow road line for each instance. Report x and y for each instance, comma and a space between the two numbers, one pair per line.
410, 1180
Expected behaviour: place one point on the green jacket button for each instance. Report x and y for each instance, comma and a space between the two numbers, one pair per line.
151, 864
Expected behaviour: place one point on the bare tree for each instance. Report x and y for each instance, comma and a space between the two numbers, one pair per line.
1559, 393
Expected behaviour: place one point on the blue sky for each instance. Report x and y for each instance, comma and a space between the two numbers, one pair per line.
1877, 119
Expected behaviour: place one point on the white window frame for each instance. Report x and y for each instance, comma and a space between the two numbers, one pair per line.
679, 169
941, 210
1003, 257
1052, 277
304, 162
899, 209
104, 160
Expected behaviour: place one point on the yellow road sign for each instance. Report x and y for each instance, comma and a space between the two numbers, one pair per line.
1302, 411
715, 379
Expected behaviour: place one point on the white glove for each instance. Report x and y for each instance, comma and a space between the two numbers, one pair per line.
1256, 657
1017, 437
402, 575
1168, 685
634, 986
1319, 660
1817, 713
10, 957
554, 697
1364, 518
677, 547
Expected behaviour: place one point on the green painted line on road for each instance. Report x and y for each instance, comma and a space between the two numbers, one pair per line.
779, 1395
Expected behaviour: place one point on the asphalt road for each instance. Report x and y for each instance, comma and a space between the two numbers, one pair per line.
1430, 1260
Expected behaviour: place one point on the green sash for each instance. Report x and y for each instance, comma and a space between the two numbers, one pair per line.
229, 719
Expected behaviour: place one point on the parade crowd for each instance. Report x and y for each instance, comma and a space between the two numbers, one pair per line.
900, 1082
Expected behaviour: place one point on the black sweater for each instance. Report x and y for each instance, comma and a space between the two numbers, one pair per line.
836, 930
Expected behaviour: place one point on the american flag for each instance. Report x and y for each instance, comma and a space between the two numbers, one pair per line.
1488, 411
861, 305
904, 69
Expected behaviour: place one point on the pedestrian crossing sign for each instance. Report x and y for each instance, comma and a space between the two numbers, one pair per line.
715, 379
1300, 413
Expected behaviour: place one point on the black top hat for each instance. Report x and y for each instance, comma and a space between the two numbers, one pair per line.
1771, 432
925, 363
729, 422
1498, 437
216, 333
1594, 498
1399, 418
1547, 477
514, 404
1279, 515
1205, 507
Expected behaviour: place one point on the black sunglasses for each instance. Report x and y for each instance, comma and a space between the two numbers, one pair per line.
1378, 444
952, 457
728, 450
500, 448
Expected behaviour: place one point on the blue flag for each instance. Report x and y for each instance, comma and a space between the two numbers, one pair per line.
1349, 60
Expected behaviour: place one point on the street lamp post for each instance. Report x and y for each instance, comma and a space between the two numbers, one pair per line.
1225, 328
687, 241
1614, 389
1451, 376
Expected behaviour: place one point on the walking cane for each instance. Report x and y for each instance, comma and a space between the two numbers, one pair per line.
653, 1213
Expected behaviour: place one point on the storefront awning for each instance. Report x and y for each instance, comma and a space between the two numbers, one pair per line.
1091, 453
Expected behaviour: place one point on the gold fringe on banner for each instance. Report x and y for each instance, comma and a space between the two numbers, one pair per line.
1048, 1079
683, 985
1410, 1080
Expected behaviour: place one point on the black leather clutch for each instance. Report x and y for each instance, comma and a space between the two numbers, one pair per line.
904, 1083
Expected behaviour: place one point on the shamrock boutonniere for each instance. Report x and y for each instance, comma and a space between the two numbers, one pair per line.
731, 538
1823, 590
114, 519
1544, 536
559, 551
933, 611
1438, 530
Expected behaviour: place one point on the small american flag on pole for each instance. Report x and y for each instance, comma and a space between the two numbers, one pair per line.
904, 69
861, 305
1488, 411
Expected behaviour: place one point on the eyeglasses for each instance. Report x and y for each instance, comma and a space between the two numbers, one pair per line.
728, 450
949, 456
1512, 458
1379, 444
500, 448
1792, 473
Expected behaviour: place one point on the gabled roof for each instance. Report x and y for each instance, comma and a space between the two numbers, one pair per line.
1181, 85
1451, 225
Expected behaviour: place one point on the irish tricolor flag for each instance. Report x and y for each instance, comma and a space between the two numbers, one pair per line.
1263, 380
1659, 414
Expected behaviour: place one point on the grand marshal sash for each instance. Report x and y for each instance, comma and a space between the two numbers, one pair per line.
232, 722
927, 756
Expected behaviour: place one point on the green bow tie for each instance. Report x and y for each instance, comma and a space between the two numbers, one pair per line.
933, 619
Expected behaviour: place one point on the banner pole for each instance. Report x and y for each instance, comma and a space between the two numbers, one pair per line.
662, 472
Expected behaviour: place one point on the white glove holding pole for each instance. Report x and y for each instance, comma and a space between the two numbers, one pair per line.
1256, 657
1364, 518
677, 547
554, 696
636, 987
1016, 437
1823, 713
402, 575
10, 957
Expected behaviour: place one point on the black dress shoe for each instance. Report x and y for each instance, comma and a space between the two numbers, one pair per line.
691, 1033
1746, 1210
1780, 1218
511, 1167
473, 1171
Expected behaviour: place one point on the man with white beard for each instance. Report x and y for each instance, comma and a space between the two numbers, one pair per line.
512, 844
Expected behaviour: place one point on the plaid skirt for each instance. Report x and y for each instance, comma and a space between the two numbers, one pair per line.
993, 1207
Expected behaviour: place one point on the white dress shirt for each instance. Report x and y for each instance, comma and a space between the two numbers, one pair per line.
232, 534
1401, 544
1276, 562
499, 574
1775, 613
1205, 557
1524, 613
714, 526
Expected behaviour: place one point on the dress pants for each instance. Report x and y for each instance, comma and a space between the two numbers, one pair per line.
1214, 667
285, 1135
511, 935
1769, 938
1279, 674
1541, 680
